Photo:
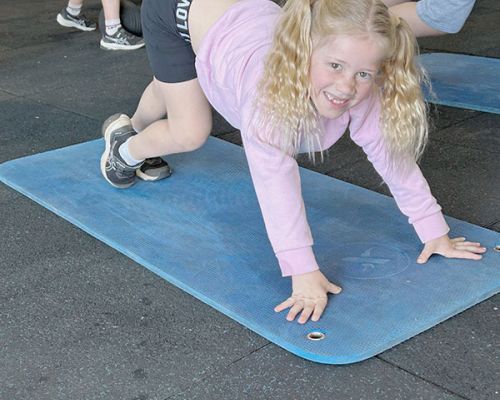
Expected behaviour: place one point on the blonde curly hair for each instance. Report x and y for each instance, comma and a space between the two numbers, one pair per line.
284, 99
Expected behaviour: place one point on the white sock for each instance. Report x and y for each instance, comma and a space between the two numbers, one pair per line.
112, 25
74, 9
127, 157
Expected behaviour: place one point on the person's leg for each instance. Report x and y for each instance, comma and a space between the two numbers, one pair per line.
74, 7
188, 124
187, 128
174, 91
151, 107
116, 37
71, 16
111, 10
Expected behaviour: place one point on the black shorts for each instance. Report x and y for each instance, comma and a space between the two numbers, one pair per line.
165, 31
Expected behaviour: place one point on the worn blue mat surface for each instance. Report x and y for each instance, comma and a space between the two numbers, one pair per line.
464, 81
202, 230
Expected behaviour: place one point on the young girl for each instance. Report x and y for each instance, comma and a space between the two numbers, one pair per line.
290, 79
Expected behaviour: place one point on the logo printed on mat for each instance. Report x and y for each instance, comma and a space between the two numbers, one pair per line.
371, 261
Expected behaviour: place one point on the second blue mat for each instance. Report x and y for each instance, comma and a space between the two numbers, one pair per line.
464, 81
202, 230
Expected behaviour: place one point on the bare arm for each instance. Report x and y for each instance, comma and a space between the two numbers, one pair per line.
408, 11
390, 3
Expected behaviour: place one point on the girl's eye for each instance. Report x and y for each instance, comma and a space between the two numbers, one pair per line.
364, 75
336, 66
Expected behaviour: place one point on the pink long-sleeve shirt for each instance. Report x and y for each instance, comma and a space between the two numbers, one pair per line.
229, 63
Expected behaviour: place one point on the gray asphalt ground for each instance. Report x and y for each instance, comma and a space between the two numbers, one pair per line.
78, 320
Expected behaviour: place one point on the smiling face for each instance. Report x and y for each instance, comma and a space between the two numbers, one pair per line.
343, 71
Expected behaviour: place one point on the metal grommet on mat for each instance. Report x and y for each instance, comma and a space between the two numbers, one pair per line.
316, 336
497, 248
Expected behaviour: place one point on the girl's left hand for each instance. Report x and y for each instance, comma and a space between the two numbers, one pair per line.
451, 248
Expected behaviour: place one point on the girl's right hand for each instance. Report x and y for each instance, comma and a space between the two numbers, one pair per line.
310, 295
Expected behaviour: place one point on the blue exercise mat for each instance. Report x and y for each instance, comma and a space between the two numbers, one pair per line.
202, 230
464, 81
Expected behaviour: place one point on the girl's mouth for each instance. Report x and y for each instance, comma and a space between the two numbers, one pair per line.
335, 101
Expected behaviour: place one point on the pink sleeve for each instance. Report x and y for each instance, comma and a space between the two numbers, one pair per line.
276, 179
411, 192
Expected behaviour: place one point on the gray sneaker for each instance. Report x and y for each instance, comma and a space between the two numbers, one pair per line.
81, 22
121, 40
154, 169
116, 130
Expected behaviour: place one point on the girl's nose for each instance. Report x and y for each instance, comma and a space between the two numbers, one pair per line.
346, 84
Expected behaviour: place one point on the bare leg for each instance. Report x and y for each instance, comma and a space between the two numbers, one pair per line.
151, 108
188, 125
111, 9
